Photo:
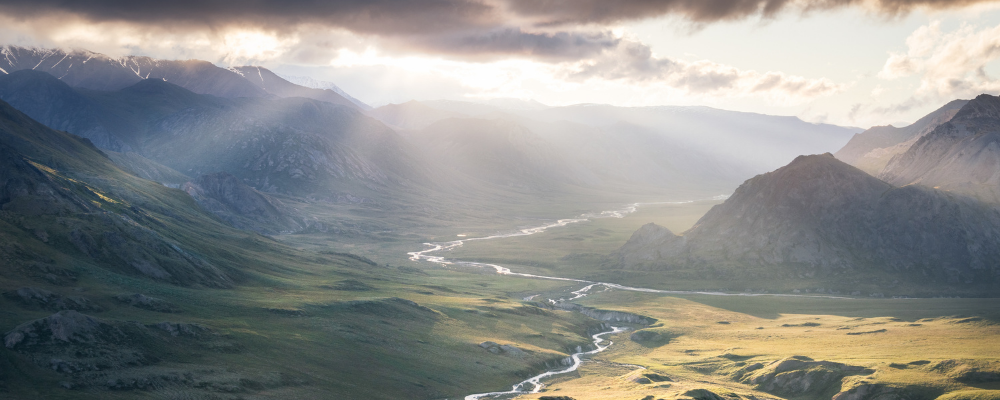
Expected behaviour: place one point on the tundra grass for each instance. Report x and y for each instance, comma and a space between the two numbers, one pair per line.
926, 353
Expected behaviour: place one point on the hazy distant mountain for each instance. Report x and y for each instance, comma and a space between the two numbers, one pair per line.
501, 152
278, 86
872, 149
323, 85
757, 142
412, 115
750, 143
819, 217
962, 155
290, 145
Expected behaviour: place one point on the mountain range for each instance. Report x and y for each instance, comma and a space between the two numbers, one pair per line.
176, 121
89, 70
872, 149
929, 225
291, 145
146, 206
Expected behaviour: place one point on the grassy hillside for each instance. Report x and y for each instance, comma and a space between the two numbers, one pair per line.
157, 298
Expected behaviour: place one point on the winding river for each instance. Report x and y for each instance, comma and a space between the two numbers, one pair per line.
425, 255
535, 382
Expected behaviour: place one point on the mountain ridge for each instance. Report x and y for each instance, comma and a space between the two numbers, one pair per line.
961, 155
821, 217
874, 148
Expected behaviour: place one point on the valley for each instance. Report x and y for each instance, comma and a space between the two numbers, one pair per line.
178, 230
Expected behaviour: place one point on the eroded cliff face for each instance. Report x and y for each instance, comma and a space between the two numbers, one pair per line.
820, 214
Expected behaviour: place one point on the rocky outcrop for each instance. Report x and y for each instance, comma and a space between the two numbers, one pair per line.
181, 329
73, 343
703, 394
505, 349
652, 337
239, 204
796, 376
41, 298
142, 301
818, 215
877, 392
61, 327
608, 315
962, 155
969, 372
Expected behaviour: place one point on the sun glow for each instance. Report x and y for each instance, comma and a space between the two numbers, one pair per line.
504, 78
241, 46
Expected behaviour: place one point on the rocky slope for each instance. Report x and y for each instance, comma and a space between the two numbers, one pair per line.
820, 217
240, 205
962, 155
872, 149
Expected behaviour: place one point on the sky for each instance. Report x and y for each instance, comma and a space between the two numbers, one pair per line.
848, 62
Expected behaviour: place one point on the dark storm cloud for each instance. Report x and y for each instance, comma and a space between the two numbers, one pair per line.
553, 30
389, 17
574, 12
514, 42
394, 17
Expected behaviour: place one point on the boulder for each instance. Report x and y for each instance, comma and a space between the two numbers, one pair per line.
496, 348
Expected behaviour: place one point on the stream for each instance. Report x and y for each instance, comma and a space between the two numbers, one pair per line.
425, 255
535, 382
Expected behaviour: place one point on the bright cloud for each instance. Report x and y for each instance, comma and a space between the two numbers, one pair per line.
949, 64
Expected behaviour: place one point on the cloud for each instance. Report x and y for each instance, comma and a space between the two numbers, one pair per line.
391, 17
572, 12
513, 42
949, 65
634, 63
388, 17
479, 30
